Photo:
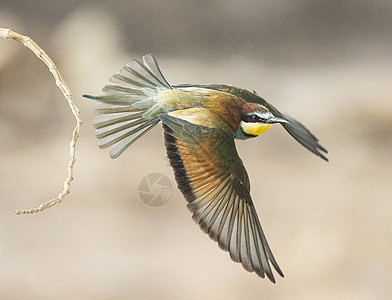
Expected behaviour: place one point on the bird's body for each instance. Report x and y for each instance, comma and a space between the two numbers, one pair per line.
200, 124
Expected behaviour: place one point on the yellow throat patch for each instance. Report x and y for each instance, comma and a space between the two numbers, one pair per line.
254, 128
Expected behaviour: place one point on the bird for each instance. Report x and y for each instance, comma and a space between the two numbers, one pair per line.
200, 125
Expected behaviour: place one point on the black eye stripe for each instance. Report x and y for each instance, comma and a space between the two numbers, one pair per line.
252, 118
246, 118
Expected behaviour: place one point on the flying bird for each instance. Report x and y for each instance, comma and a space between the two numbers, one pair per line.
200, 123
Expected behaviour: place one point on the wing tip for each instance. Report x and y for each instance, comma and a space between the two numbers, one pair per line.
303, 136
324, 157
271, 277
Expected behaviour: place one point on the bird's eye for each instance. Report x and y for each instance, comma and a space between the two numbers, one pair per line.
251, 118
255, 118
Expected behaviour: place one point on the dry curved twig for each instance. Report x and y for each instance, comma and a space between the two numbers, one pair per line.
29, 43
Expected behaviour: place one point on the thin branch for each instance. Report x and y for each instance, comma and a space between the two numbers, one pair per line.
29, 43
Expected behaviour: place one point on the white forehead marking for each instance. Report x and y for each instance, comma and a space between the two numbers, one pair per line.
264, 115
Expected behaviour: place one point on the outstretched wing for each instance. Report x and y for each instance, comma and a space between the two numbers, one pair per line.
213, 180
298, 131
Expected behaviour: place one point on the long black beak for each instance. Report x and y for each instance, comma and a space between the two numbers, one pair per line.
276, 120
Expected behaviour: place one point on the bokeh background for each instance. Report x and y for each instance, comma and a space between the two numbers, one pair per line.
328, 63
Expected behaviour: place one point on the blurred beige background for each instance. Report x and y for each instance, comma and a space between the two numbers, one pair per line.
327, 63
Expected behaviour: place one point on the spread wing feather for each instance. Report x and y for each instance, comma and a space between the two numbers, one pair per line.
213, 180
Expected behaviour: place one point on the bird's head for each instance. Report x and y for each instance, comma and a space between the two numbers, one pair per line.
255, 120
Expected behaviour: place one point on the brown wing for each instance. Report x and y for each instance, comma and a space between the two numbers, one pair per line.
213, 180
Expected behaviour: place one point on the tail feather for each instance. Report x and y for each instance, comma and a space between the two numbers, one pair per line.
151, 62
115, 119
112, 129
128, 109
140, 75
133, 74
122, 89
123, 145
122, 142
103, 108
127, 80
117, 99
116, 137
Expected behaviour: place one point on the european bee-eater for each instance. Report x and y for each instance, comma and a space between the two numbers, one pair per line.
200, 123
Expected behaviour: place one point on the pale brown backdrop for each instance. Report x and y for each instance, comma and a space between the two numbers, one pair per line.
328, 63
